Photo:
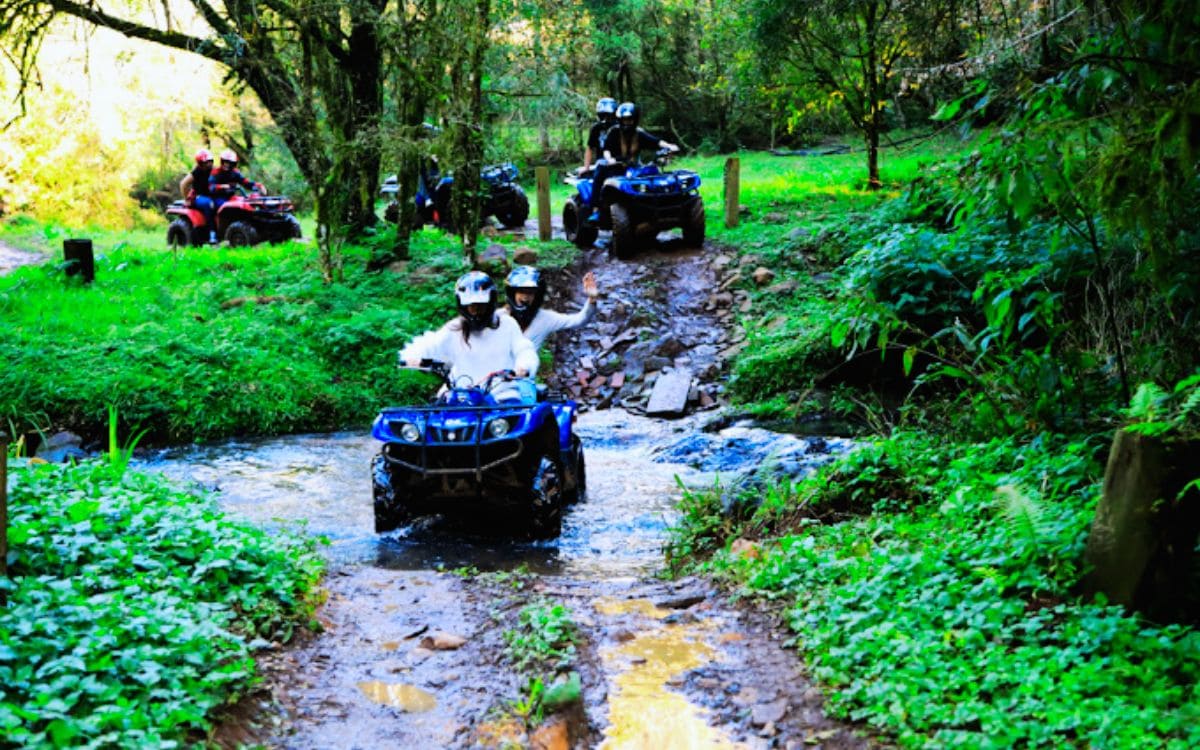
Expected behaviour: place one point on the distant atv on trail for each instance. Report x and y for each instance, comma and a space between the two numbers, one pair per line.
636, 206
245, 219
506, 200
475, 450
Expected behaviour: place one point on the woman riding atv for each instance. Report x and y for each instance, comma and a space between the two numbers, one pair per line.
479, 341
622, 144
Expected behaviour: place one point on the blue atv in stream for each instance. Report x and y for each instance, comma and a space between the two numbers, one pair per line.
636, 206
474, 450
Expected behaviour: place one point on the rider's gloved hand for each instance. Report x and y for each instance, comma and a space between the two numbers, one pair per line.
260, 188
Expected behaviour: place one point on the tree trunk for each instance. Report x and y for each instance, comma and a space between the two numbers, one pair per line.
1143, 538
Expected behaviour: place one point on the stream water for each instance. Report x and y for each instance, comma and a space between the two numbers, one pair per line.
635, 467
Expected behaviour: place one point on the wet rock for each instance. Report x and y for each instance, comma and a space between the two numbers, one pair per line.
682, 600
669, 397
554, 734
720, 300
783, 288
440, 641
774, 217
60, 448
764, 714
655, 362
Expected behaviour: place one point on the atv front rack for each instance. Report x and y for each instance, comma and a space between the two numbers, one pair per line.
453, 441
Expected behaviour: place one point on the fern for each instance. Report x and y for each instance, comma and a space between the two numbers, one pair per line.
1023, 512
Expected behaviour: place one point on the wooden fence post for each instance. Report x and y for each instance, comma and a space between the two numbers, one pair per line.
732, 188
79, 258
543, 202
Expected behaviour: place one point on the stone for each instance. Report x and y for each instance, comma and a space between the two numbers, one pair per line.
494, 260
775, 217
764, 714
525, 256
763, 276
670, 393
440, 641
551, 735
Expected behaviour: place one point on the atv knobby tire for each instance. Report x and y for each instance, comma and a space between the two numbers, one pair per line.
693, 223
546, 501
578, 489
577, 233
390, 511
624, 242
520, 210
240, 234
181, 234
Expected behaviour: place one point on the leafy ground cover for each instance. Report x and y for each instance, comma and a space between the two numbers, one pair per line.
931, 587
134, 609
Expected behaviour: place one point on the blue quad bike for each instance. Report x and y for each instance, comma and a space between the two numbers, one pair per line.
636, 205
506, 200
469, 451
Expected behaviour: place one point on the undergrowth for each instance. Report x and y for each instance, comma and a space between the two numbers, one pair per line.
134, 609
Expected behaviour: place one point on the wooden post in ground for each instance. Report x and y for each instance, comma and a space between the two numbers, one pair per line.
732, 189
79, 258
543, 202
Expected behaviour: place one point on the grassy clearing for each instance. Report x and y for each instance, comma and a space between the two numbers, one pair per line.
215, 342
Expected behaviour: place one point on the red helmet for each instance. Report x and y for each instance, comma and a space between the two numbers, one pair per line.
203, 155
228, 155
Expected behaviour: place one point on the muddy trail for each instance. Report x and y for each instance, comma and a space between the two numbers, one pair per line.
412, 650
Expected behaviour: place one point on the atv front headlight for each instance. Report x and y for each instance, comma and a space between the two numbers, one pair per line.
498, 427
410, 432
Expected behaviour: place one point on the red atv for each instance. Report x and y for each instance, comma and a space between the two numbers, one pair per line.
245, 219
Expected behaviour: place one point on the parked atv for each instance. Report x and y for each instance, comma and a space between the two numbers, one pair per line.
639, 203
506, 199
245, 219
473, 449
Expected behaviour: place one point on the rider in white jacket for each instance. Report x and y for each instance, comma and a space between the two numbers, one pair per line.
526, 291
478, 342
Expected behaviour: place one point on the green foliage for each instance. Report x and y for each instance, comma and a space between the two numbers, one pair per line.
1154, 411
133, 609
951, 622
546, 636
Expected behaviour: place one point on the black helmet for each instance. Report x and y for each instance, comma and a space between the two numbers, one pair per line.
476, 288
628, 115
529, 279
606, 108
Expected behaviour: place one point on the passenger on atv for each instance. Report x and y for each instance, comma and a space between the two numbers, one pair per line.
223, 181
623, 143
479, 342
526, 291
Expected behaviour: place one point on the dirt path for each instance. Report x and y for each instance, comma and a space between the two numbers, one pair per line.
12, 258
412, 654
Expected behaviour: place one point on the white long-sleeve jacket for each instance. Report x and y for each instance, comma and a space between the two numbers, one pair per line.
501, 348
547, 322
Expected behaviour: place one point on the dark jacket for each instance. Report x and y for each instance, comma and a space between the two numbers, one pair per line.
627, 149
